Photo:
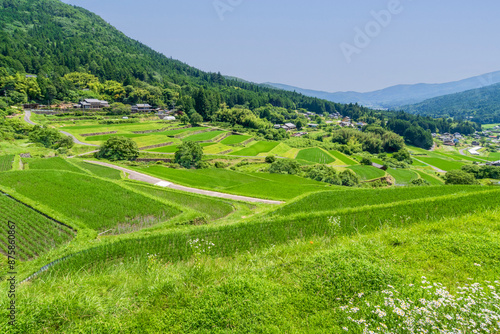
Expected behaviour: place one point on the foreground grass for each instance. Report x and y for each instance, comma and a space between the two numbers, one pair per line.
297, 287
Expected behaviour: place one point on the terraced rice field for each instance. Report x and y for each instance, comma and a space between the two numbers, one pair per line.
257, 148
352, 198
101, 171
204, 136
50, 163
235, 139
342, 157
260, 185
35, 233
433, 181
402, 176
213, 208
6, 162
443, 164
174, 148
367, 172
315, 155
95, 203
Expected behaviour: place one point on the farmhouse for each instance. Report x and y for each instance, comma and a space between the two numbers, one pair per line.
312, 125
91, 104
290, 126
495, 163
142, 108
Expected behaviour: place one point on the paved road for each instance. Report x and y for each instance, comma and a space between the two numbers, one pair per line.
166, 184
75, 140
27, 119
27, 116
435, 168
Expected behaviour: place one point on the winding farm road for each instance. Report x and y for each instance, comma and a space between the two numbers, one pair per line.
27, 119
133, 175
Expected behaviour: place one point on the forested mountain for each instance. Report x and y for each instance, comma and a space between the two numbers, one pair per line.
52, 52
483, 105
397, 96
51, 39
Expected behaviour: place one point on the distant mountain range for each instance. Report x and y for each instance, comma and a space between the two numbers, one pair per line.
481, 105
397, 96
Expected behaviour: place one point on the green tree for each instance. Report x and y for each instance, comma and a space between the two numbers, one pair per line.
196, 118
270, 159
189, 154
349, 178
285, 166
185, 119
403, 155
118, 108
50, 138
459, 177
118, 148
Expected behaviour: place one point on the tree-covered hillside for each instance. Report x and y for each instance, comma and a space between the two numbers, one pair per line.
51, 52
51, 39
482, 104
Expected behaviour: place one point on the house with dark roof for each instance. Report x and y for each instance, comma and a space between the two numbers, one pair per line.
92, 104
142, 108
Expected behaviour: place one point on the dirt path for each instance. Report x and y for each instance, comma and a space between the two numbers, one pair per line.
435, 168
27, 119
166, 184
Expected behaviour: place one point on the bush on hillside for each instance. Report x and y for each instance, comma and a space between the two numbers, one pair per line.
349, 178
285, 166
50, 138
189, 154
324, 173
118, 148
459, 177
270, 159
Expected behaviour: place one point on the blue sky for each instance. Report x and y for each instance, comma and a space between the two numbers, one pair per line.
305, 43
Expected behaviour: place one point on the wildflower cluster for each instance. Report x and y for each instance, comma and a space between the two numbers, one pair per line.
335, 222
201, 246
152, 260
473, 309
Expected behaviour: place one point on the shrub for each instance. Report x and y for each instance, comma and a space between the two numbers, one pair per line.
118, 148
285, 166
459, 177
366, 161
189, 154
324, 173
50, 138
270, 159
349, 178
403, 156
220, 164
420, 182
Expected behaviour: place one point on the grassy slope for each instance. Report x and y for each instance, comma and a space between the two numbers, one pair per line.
351, 198
293, 287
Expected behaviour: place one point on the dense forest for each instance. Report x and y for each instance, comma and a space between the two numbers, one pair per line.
51, 52
479, 105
